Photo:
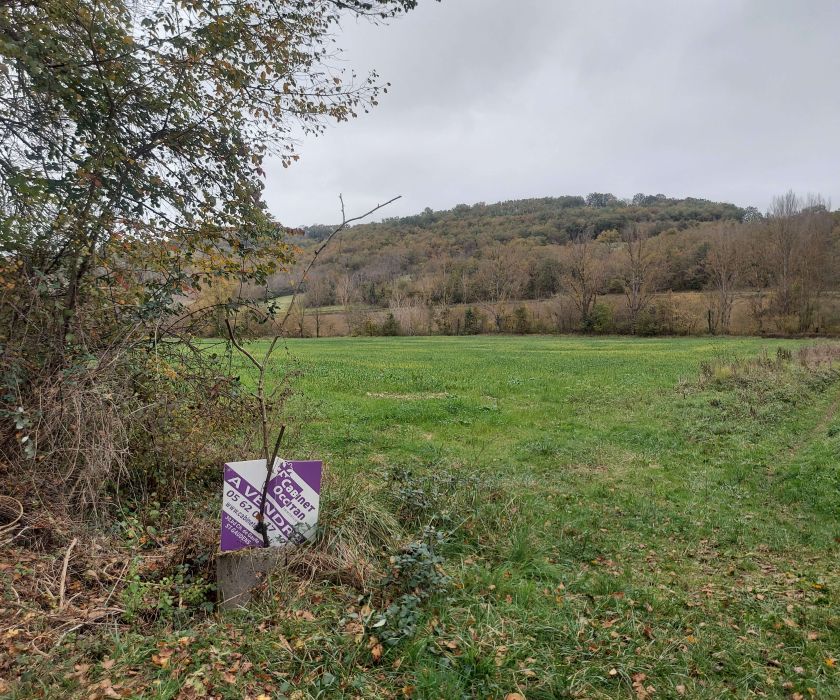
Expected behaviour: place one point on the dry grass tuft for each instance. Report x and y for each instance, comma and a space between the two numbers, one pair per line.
823, 355
354, 532
817, 358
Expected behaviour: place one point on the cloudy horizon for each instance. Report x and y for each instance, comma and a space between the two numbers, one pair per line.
730, 101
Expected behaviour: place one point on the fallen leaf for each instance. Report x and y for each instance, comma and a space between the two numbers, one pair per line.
107, 663
680, 690
514, 696
831, 662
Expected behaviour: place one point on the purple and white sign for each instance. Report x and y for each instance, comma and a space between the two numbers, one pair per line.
291, 510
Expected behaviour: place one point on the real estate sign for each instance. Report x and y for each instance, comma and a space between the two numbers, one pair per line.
291, 511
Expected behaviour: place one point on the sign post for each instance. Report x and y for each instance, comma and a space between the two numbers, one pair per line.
291, 517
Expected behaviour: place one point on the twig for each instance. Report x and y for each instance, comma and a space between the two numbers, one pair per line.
262, 401
269, 469
18, 506
62, 585
94, 621
345, 222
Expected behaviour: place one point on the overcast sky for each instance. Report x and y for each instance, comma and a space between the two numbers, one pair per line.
734, 100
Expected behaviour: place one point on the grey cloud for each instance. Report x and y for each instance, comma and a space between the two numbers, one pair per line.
493, 99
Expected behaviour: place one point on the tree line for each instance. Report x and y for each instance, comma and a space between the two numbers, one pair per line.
578, 254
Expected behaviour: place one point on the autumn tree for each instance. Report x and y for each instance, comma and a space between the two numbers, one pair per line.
131, 176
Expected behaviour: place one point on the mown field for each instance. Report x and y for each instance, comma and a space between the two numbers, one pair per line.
573, 517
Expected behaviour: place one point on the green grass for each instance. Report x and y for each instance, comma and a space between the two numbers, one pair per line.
616, 531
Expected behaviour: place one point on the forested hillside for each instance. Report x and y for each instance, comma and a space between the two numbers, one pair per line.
527, 230
592, 264
555, 219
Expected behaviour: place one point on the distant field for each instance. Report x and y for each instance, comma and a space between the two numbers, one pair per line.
608, 528
672, 314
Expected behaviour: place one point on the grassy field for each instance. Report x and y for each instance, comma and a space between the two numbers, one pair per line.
598, 524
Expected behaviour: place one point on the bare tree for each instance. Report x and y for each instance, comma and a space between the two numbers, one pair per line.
815, 259
782, 235
583, 275
319, 294
637, 273
345, 289
724, 266
500, 279
800, 248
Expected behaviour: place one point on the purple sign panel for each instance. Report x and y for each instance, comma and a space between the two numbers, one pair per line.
291, 509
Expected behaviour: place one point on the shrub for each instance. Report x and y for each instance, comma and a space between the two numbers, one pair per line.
473, 322
521, 321
390, 326
601, 319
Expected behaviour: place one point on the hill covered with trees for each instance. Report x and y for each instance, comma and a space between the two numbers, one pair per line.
554, 219
374, 261
429, 270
